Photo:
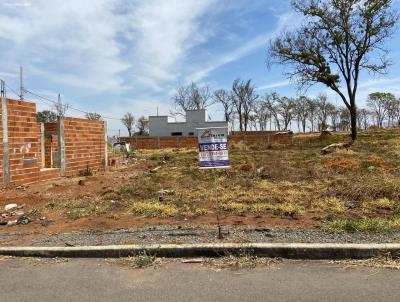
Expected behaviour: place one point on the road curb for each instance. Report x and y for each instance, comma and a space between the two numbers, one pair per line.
283, 250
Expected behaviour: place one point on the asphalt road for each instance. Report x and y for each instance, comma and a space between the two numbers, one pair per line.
96, 280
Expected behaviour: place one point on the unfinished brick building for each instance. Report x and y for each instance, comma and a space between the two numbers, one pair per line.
32, 151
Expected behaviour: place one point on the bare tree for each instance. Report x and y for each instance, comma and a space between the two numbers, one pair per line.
142, 125
262, 114
363, 118
334, 114
336, 44
286, 108
129, 122
243, 98
344, 117
93, 116
323, 110
192, 97
393, 107
378, 102
222, 97
271, 104
312, 107
301, 111
398, 113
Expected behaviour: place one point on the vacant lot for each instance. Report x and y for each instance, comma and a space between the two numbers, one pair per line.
354, 190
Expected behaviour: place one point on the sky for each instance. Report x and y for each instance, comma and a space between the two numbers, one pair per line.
115, 56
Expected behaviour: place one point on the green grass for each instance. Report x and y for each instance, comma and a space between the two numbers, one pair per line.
365, 225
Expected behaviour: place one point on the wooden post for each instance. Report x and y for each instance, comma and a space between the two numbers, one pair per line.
6, 151
61, 145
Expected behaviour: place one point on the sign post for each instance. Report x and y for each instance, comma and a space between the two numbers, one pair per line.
213, 154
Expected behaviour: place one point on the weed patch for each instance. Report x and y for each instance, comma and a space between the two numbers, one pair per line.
365, 225
153, 209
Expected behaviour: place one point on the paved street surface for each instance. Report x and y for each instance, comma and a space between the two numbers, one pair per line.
97, 280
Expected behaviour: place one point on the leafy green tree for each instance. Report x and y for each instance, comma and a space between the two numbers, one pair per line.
339, 39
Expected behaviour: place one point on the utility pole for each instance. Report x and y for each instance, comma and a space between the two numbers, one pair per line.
59, 106
4, 121
21, 83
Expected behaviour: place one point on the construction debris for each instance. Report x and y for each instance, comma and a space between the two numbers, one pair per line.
155, 169
260, 170
21, 187
14, 215
194, 260
10, 207
23, 220
11, 222
332, 148
166, 192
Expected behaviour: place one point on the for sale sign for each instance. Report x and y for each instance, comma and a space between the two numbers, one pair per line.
213, 148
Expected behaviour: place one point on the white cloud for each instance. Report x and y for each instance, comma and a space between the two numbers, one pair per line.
70, 42
274, 85
284, 22
164, 31
102, 45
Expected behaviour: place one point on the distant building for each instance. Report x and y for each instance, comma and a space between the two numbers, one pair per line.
167, 126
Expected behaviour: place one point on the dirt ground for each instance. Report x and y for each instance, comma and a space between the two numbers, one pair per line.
34, 198
291, 186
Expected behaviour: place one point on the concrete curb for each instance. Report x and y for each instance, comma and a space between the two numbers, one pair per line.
282, 250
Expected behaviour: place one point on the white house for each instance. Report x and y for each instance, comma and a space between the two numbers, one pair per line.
167, 126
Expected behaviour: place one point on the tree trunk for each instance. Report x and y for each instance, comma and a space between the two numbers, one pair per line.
353, 117
240, 121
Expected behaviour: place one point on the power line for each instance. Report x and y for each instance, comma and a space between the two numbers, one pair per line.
12, 90
69, 107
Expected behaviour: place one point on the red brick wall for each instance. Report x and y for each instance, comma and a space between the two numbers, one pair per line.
161, 142
84, 145
191, 142
251, 133
24, 144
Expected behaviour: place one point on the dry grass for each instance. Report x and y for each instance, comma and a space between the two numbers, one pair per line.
351, 190
386, 261
330, 205
153, 209
143, 260
244, 260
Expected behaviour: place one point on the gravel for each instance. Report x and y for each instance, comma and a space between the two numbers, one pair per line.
193, 234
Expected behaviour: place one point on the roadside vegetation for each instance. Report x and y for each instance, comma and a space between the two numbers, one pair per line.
349, 190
